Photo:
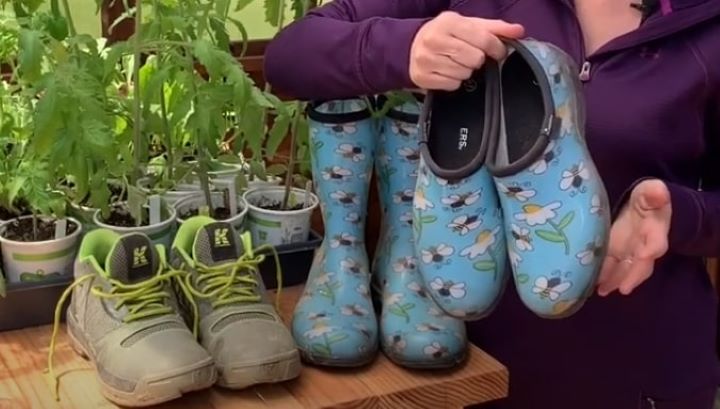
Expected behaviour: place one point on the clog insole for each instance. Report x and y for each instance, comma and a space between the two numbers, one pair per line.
523, 107
457, 122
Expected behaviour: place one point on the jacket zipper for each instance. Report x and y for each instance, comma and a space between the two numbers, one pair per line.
586, 66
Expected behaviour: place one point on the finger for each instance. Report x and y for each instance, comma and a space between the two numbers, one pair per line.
615, 278
609, 265
464, 54
500, 28
475, 35
638, 273
652, 195
446, 67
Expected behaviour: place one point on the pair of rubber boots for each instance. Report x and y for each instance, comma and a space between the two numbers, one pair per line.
335, 323
506, 175
500, 171
155, 330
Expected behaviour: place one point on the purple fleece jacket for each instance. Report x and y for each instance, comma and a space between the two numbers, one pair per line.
653, 110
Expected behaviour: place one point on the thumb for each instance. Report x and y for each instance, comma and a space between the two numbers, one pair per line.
652, 195
500, 28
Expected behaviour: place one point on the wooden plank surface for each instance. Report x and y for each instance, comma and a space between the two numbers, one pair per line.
25, 385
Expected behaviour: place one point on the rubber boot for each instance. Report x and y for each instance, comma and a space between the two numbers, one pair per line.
334, 323
414, 332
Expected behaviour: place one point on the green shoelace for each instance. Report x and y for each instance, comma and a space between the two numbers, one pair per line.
145, 299
239, 286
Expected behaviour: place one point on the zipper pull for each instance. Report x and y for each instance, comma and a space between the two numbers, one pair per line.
585, 71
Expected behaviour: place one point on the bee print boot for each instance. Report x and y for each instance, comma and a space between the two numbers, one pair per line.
334, 323
555, 205
413, 331
457, 220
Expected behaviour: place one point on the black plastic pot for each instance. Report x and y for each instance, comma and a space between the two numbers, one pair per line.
31, 304
295, 261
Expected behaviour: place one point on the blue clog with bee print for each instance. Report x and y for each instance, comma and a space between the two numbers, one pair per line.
457, 221
334, 323
414, 333
554, 203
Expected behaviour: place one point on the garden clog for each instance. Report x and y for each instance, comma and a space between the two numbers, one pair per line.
414, 333
555, 205
334, 323
458, 225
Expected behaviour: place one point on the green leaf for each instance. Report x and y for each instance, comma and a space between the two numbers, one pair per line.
523, 278
241, 4
221, 35
277, 134
565, 221
335, 338
408, 306
276, 169
30, 56
272, 11
428, 219
243, 32
321, 349
298, 8
550, 236
485, 265
397, 311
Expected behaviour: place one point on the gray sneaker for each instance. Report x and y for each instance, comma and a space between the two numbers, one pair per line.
236, 320
124, 318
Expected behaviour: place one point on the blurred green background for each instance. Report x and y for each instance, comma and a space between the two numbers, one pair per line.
253, 17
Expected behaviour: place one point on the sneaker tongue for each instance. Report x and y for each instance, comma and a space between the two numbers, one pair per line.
132, 259
216, 243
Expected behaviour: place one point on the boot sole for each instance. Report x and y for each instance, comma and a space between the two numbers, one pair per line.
280, 368
161, 389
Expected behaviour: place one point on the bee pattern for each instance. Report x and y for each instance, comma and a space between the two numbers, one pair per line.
314, 316
404, 264
352, 152
516, 192
457, 202
345, 198
409, 154
406, 218
465, 224
363, 330
437, 254
448, 288
549, 157
417, 289
406, 196
336, 173
342, 129
344, 239
522, 238
354, 310
436, 350
353, 217
351, 266
404, 129
550, 288
575, 178
397, 343
450, 183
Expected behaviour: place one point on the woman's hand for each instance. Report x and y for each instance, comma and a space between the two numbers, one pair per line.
447, 49
638, 237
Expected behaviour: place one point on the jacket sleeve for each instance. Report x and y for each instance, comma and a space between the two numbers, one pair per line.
695, 225
348, 48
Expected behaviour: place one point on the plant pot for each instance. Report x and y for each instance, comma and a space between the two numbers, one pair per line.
295, 262
85, 215
182, 190
278, 227
31, 304
159, 233
271, 181
218, 199
26, 262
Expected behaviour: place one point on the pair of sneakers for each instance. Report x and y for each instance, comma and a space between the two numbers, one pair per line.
155, 330
505, 174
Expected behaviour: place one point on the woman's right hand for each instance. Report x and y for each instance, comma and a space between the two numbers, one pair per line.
447, 49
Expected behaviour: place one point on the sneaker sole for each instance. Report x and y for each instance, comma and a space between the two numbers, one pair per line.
279, 368
162, 389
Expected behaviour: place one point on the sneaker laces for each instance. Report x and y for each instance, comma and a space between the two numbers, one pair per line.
239, 286
145, 299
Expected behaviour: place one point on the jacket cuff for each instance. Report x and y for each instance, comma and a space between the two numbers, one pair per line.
685, 223
387, 43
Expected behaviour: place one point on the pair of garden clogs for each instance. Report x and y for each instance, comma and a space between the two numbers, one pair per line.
336, 321
505, 174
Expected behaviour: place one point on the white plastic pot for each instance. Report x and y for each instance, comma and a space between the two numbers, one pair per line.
218, 199
181, 190
38, 260
159, 233
271, 181
85, 215
278, 227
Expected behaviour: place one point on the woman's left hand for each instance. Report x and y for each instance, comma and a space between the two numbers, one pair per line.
638, 237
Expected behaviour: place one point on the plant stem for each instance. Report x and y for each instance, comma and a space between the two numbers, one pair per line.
137, 131
291, 162
68, 16
35, 226
168, 134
